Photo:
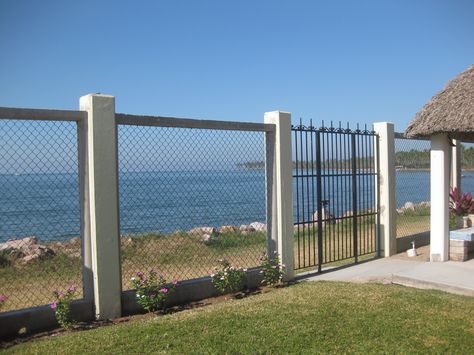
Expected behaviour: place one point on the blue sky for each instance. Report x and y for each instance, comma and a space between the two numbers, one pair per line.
356, 61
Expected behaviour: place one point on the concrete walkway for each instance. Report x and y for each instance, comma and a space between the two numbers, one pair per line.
451, 276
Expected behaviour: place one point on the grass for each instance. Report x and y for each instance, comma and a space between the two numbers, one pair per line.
183, 256
312, 317
413, 221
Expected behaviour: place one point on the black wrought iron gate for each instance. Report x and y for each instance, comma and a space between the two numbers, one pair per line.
335, 185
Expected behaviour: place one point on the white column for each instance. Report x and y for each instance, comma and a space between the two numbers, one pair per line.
440, 174
86, 254
387, 179
456, 164
103, 201
282, 196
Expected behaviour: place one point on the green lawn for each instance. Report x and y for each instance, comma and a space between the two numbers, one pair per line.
317, 317
413, 222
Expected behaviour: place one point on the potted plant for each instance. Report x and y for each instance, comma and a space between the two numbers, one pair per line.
461, 205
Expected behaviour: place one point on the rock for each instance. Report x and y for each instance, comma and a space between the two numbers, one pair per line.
258, 226
206, 238
19, 243
27, 249
228, 229
75, 255
200, 231
34, 252
246, 228
127, 241
29, 258
5, 248
75, 242
409, 206
348, 214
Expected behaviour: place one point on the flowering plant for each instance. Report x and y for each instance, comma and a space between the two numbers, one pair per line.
229, 278
271, 269
152, 291
62, 307
3, 299
460, 204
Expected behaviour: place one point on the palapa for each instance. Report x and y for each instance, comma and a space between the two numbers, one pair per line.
451, 111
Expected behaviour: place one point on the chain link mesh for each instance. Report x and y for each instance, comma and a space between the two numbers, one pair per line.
39, 212
412, 157
189, 197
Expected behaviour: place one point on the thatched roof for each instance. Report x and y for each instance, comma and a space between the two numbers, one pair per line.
450, 111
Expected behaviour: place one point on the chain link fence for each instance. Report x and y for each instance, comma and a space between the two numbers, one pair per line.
412, 157
40, 247
189, 197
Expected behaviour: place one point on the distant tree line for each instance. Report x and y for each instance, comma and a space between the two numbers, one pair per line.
412, 159
420, 159
335, 164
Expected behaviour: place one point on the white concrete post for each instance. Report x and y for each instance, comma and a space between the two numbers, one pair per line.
388, 202
103, 201
86, 254
282, 191
456, 164
440, 174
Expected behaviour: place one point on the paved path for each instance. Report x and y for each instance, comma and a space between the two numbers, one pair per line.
451, 276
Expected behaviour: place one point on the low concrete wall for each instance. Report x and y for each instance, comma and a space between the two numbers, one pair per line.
40, 318
187, 291
421, 239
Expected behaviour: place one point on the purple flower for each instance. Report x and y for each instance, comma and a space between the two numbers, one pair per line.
60, 294
3, 298
163, 290
54, 305
174, 282
71, 289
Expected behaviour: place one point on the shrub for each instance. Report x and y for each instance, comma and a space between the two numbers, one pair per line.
228, 278
4, 260
460, 204
272, 269
152, 291
62, 307
3, 299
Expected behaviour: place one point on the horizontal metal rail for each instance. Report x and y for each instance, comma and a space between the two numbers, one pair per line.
36, 114
331, 219
400, 135
332, 175
159, 121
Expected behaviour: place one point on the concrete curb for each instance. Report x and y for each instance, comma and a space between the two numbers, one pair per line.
423, 284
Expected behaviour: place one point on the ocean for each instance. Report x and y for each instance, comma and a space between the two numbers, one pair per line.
47, 205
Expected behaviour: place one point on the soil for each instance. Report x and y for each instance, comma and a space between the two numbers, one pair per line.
84, 326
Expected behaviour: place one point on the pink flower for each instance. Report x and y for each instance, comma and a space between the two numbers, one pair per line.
174, 282
140, 274
54, 305
3, 298
72, 289
163, 290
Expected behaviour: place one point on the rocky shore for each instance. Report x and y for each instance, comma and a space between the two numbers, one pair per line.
29, 249
411, 207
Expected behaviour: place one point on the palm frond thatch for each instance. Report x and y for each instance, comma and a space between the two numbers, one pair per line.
450, 111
